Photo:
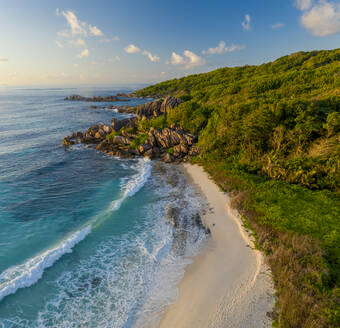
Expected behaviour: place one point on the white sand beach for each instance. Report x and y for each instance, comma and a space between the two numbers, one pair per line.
227, 285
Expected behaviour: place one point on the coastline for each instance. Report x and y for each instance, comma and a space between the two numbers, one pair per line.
228, 284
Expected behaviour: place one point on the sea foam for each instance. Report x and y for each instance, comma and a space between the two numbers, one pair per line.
28, 273
134, 184
129, 279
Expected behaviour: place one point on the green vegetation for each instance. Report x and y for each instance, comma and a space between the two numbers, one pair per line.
120, 132
139, 140
298, 229
171, 150
157, 122
112, 135
127, 130
280, 119
270, 135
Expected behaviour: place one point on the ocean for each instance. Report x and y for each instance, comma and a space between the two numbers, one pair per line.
86, 240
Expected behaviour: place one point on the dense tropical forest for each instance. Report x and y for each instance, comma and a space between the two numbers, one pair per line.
270, 135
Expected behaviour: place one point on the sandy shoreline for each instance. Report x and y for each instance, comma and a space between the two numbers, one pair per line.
228, 284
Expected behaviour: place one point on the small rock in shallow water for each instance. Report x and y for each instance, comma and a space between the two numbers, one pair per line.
167, 158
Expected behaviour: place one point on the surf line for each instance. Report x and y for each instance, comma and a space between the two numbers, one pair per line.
28, 273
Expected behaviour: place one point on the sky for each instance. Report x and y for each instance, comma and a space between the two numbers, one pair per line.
72, 42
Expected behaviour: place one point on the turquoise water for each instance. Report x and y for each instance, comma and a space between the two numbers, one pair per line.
84, 238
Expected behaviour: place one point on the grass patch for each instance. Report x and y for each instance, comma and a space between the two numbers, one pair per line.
138, 141
157, 123
112, 135
127, 130
170, 151
298, 230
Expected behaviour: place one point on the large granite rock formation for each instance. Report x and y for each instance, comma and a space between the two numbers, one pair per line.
126, 122
171, 144
157, 107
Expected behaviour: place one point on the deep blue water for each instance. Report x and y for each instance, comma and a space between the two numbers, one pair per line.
84, 238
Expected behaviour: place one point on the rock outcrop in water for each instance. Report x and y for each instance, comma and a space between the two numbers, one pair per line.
123, 109
123, 139
95, 99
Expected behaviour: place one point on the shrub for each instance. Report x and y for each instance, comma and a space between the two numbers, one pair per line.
112, 135
138, 141
333, 123
170, 150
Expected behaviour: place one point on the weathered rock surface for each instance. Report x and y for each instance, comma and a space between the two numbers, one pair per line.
167, 158
157, 107
67, 141
119, 140
170, 137
123, 109
171, 145
126, 122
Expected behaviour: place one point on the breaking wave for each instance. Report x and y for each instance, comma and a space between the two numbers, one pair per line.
28, 273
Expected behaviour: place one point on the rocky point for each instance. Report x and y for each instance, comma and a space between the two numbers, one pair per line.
122, 138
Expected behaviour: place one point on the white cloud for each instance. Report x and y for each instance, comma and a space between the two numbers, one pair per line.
193, 59
117, 58
78, 42
277, 25
246, 22
75, 25
177, 59
303, 4
132, 49
116, 38
222, 48
152, 57
322, 19
84, 53
76, 65
59, 44
3, 60
163, 73
94, 30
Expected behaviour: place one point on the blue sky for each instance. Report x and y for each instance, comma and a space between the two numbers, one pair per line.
145, 41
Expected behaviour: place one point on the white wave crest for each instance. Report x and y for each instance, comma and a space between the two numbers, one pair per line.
129, 279
135, 183
28, 273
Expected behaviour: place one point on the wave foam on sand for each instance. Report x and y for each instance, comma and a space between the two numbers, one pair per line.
228, 284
